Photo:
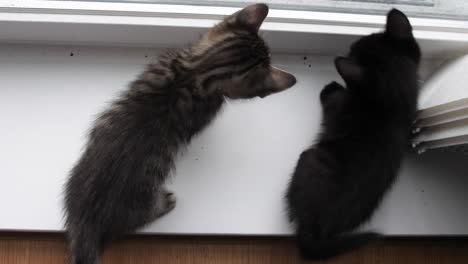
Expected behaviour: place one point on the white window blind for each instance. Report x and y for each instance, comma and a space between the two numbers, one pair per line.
448, 9
443, 115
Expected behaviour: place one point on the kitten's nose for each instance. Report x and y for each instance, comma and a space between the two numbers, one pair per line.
282, 79
291, 80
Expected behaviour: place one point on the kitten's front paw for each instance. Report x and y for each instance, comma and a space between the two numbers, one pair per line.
328, 90
417, 139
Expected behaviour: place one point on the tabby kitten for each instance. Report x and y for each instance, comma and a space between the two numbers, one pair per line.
340, 181
117, 185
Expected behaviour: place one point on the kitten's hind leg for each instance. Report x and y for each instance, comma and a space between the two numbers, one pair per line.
165, 202
155, 206
331, 91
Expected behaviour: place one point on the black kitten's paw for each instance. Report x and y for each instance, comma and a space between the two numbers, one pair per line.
416, 139
328, 90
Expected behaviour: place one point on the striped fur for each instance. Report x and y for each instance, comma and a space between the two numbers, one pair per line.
117, 185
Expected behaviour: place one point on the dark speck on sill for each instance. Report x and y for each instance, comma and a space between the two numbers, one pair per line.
305, 58
71, 54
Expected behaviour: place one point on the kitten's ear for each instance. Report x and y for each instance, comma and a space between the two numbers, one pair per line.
349, 70
398, 25
252, 16
279, 80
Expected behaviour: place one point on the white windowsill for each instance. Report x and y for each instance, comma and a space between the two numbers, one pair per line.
157, 25
48, 90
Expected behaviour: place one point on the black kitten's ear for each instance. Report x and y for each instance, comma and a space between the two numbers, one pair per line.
252, 16
279, 80
349, 70
398, 25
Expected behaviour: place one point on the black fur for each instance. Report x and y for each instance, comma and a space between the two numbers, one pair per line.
118, 184
340, 181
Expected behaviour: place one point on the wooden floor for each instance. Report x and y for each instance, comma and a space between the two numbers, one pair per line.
27, 248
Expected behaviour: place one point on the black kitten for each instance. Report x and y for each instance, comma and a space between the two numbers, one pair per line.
340, 181
118, 184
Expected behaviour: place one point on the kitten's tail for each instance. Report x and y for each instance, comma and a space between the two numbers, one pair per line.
84, 247
312, 249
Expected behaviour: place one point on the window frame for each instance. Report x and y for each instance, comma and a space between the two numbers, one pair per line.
28, 16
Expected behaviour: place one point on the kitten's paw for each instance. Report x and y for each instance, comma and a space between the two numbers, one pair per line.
165, 204
170, 201
328, 90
